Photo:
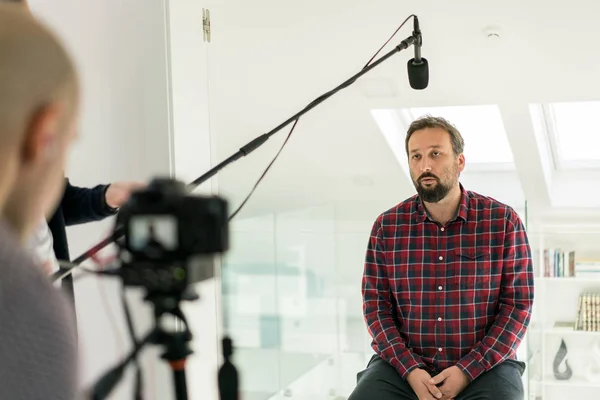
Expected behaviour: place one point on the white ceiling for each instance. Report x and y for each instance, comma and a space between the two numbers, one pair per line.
269, 58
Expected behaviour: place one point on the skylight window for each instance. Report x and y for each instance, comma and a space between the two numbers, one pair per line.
486, 144
480, 126
573, 133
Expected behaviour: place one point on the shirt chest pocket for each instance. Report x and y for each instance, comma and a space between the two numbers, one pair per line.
471, 268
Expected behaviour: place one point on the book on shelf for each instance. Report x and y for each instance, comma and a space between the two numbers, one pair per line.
588, 312
587, 268
559, 264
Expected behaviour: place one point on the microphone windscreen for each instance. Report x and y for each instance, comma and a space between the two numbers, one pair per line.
418, 74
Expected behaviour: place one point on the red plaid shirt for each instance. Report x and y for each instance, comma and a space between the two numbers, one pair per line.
435, 296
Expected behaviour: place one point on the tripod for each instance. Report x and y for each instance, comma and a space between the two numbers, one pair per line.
176, 344
176, 348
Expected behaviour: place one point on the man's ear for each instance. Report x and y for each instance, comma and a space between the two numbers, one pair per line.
41, 134
461, 163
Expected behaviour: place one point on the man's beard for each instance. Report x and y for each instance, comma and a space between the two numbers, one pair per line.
432, 194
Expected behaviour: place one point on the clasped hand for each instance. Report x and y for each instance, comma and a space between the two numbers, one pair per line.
444, 386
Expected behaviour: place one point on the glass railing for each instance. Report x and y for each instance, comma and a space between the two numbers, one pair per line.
291, 294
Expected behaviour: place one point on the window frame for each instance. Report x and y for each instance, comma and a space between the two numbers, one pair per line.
552, 135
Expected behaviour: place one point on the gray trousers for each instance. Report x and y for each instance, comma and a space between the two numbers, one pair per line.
381, 381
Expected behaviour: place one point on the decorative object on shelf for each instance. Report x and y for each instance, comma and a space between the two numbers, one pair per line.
592, 370
559, 359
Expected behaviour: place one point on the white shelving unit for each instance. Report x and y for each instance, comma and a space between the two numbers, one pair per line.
556, 300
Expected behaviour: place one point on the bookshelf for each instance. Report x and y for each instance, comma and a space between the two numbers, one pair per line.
566, 313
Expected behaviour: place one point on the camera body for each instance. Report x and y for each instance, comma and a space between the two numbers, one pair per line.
171, 237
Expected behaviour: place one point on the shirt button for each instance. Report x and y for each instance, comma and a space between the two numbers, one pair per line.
442, 229
440, 287
441, 258
440, 349
439, 318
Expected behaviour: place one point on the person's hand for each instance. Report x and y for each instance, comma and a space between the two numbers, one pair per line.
419, 381
450, 382
118, 193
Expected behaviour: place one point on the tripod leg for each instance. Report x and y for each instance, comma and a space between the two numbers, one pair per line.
179, 379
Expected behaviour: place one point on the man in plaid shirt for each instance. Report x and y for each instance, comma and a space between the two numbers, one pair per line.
447, 285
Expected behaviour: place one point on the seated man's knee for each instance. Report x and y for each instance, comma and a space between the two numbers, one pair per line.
501, 382
381, 381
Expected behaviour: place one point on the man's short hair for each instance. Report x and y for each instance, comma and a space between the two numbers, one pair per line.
35, 70
427, 121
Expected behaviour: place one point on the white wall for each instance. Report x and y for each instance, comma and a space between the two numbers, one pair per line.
126, 134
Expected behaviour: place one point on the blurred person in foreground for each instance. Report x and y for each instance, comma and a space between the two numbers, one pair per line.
38, 114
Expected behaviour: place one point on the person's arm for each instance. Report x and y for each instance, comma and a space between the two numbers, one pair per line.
41, 245
377, 309
514, 308
81, 205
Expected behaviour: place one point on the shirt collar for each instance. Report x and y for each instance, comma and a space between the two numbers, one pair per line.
463, 207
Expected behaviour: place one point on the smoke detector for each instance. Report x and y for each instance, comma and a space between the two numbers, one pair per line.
493, 33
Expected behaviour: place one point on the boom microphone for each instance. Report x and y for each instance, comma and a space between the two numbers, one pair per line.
418, 68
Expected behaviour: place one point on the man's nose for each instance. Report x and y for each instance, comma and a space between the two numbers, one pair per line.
425, 166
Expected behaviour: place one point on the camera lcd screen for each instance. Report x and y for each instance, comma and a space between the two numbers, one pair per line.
153, 233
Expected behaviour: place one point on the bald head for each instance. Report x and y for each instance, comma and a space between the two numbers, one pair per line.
22, 2
35, 71
38, 109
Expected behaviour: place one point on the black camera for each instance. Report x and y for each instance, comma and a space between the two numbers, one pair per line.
171, 237
168, 239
